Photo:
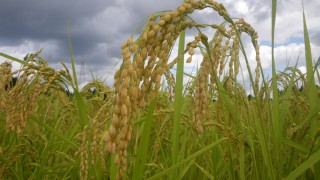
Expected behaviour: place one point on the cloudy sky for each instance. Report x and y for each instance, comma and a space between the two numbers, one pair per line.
99, 27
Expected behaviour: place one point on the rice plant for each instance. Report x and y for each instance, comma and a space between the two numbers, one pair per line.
149, 125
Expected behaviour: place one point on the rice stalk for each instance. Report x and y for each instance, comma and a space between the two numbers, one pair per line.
178, 100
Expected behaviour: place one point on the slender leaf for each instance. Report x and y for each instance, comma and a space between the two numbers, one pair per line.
74, 73
142, 153
186, 160
275, 103
13, 58
312, 91
304, 166
178, 101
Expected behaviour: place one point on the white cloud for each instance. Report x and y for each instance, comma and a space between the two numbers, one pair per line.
18, 52
242, 7
27, 47
303, 69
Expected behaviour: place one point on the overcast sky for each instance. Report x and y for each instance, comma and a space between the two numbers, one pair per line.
99, 27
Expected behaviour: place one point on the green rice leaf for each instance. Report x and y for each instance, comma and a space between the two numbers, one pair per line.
205, 172
275, 103
186, 160
74, 73
312, 91
304, 166
178, 100
142, 152
13, 58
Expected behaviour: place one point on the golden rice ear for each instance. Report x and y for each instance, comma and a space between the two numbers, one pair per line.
151, 34
35, 78
138, 80
6, 81
167, 17
133, 48
189, 59
191, 51
181, 9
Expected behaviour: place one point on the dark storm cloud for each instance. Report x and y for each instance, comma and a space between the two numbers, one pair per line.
98, 28
44, 19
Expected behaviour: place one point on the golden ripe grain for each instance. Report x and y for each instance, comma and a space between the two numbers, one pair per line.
181, 9
151, 34
167, 17
139, 80
187, 6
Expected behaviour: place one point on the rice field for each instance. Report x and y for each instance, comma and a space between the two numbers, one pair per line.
150, 125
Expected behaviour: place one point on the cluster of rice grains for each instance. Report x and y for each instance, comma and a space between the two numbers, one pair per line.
90, 150
35, 78
214, 61
145, 60
6, 83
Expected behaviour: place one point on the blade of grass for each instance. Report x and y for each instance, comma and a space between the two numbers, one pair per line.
82, 109
295, 145
312, 91
186, 169
304, 166
275, 103
81, 105
265, 148
186, 160
178, 101
205, 172
140, 161
13, 59
74, 73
